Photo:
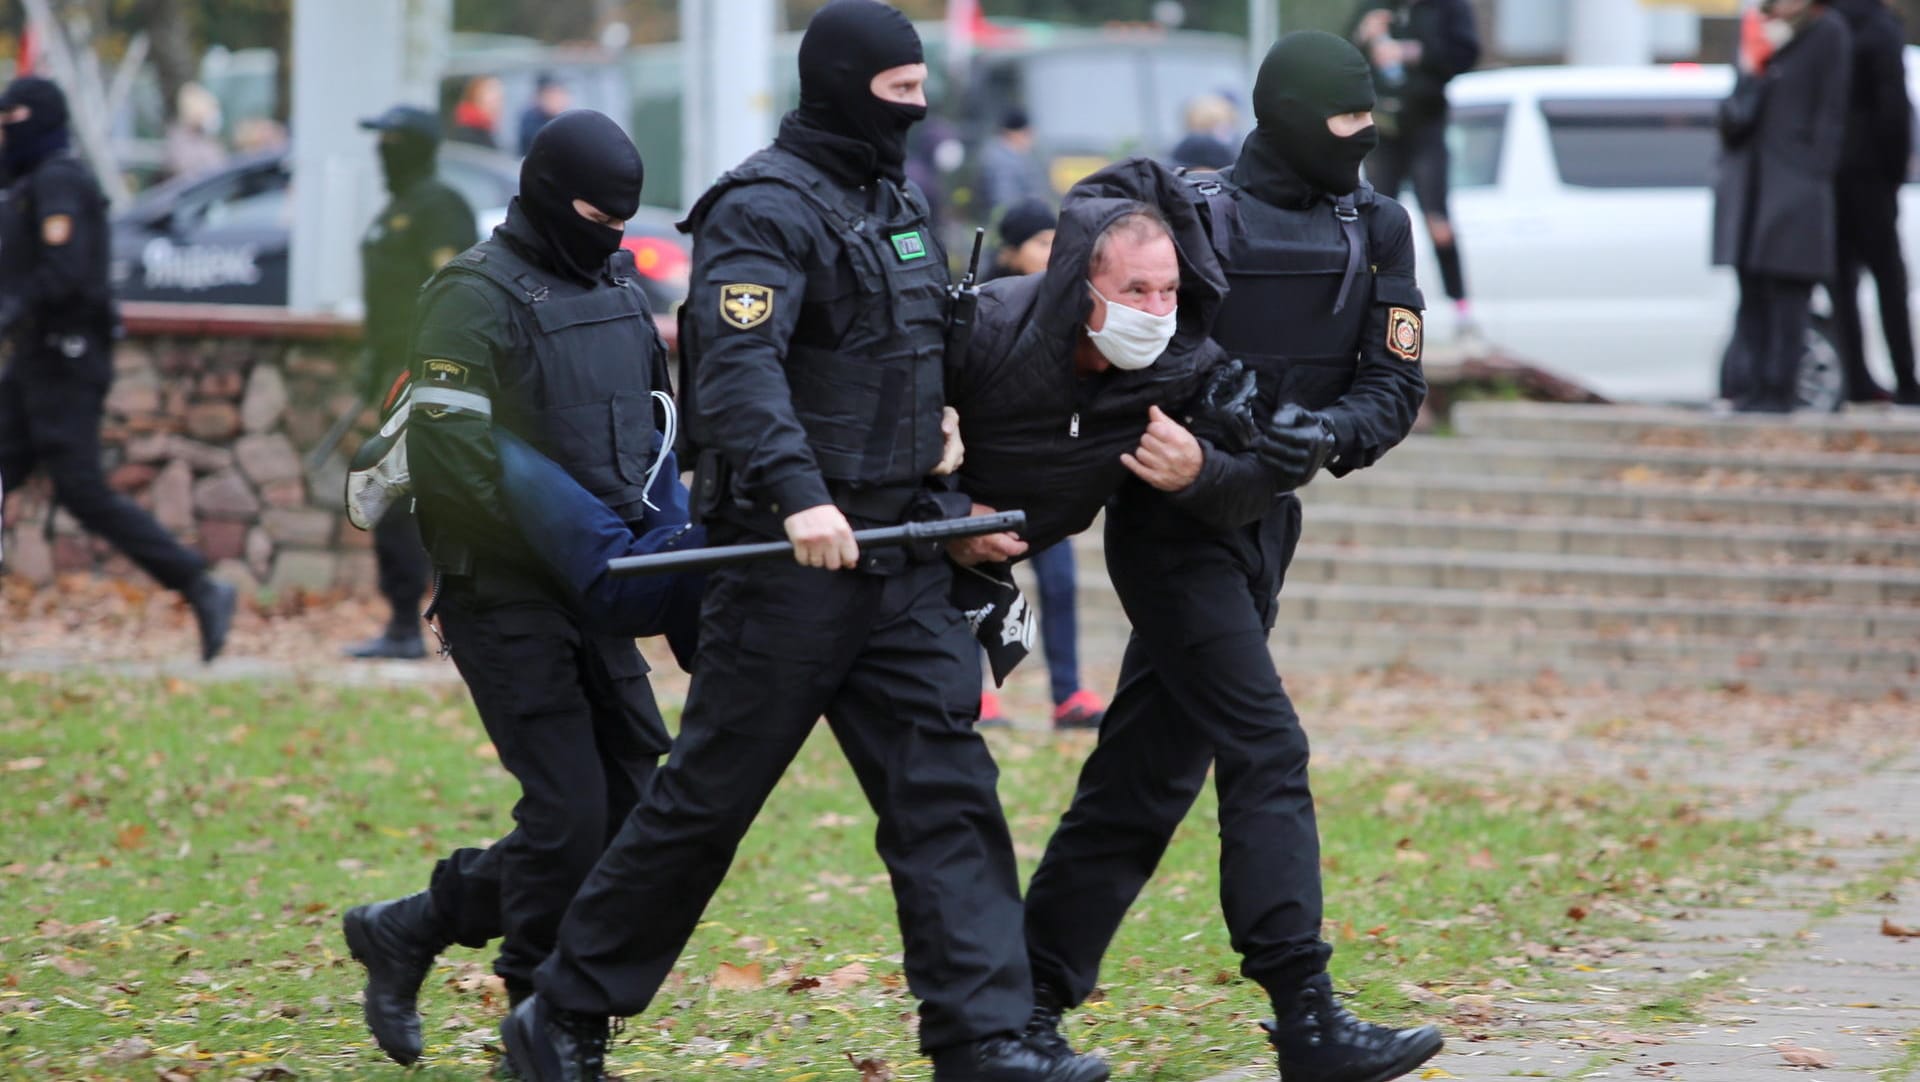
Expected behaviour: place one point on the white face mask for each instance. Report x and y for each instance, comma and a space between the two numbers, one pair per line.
1132, 339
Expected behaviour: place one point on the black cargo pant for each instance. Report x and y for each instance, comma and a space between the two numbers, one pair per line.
52, 423
1198, 688
573, 719
892, 665
1868, 221
1418, 154
404, 569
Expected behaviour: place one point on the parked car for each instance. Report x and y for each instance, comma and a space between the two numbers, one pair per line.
221, 238
1583, 202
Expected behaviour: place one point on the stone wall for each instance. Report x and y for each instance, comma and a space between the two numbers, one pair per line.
208, 423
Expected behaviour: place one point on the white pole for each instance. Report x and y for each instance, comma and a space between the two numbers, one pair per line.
397, 51
1608, 32
726, 110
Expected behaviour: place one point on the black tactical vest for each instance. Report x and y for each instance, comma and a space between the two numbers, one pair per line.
870, 402
584, 397
1290, 269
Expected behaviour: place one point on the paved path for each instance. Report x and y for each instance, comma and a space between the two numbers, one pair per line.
1803, 973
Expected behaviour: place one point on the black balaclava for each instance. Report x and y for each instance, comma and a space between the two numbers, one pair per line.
847, 43
1308, 76
580, 154
43, 134
406, 157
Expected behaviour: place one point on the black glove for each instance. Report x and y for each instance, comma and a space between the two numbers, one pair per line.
1223, 413
1295, 445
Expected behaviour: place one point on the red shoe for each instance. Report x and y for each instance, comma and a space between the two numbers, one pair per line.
990, 715
1082, 710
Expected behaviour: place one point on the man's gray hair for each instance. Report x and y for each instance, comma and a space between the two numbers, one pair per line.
1138, 222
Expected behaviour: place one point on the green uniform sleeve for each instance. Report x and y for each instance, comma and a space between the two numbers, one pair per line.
458, 341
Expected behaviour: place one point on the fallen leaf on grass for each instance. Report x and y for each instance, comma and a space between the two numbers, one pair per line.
1801, 1056
1420, 995
127, 1051
1576, 912
1482, 861
131, 837
72, 967
848, 976
871, 1070
1435, 1072
31, 762
1474, 1009
1897, 931
803, 984
732, 978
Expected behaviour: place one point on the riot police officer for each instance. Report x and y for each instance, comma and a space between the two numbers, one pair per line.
57, 322
1323, 307
541, 329
813, 339
424, 225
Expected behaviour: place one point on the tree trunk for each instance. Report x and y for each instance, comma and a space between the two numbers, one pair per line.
174, 63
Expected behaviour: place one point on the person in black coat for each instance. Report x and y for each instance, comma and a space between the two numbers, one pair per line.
1416, 47
1873, 166
1781, 132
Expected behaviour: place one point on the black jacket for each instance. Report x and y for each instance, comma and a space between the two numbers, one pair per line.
413, 236
1449, 46
1781, 134
1041, 438
1879, 114
53, 271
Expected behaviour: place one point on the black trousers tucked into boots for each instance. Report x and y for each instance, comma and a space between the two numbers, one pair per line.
52, 423
893, 667
404, 569
1197, 689
574, 721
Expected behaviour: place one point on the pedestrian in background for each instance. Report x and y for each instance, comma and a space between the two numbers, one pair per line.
1010, 167
1210, 133
1416, 47
476, 120
1026, 240
423, 226
1781, 134
550, 99
193, 141
56, 332
1873, 165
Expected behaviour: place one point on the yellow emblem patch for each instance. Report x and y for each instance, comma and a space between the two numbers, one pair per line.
745, 305
1403, 333
399, 222
57, 229
440, 257
446, 373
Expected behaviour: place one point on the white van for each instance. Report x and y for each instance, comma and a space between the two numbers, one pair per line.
1584, 206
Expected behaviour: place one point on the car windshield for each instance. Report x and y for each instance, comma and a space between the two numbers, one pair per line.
1633, 142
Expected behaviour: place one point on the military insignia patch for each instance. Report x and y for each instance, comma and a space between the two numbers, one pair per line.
745, 305
446, 373
399, 222
909, 246
57, 229
1403, 333
440, 257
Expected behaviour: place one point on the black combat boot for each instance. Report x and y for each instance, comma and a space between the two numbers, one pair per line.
1319, 1041
517, 993
1043, 1025
212, 602
391, 644
1012, 1059
397, 941
549, 1044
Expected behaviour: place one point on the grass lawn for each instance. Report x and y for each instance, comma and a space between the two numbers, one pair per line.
177, 857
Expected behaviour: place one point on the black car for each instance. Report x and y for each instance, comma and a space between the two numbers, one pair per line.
221, 237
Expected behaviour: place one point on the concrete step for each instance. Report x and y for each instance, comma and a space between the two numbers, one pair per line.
1611, 577
1385, 527
1639, 678
1478, 610
1475, 493
1728, 657
1732, 469
1884, 431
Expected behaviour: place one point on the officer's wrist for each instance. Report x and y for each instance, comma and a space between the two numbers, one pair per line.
791, 495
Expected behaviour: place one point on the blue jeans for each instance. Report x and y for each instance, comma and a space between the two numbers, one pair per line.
1059, 632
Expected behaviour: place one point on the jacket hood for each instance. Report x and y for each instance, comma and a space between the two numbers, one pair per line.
1064, 302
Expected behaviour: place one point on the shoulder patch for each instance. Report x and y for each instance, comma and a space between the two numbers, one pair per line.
446, 373
1404, 333
56, 229
744, 305
440, 257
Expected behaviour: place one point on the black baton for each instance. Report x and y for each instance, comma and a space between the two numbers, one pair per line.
946, 529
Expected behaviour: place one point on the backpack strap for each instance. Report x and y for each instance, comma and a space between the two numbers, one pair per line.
1214, 199
1346, 210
